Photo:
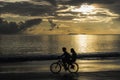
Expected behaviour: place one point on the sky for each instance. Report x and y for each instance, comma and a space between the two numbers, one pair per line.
86, 15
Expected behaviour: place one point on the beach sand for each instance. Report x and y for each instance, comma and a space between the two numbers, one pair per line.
103, 75
39, 70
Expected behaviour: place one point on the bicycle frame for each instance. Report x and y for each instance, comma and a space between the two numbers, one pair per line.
61, 63
57, 66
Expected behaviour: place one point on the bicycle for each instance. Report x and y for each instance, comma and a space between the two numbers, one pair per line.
57, 66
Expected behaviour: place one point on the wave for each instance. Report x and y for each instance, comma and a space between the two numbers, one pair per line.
20, 58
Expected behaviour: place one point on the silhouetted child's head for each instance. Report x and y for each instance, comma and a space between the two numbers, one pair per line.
72, 50
64, 49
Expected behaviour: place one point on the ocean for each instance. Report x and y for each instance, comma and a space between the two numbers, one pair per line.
52, 44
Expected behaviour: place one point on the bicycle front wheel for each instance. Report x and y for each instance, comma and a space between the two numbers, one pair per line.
55, 67
73, 68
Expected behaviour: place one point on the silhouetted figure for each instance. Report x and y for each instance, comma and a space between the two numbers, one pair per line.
74, 55
52, 24
65, 58
1, 20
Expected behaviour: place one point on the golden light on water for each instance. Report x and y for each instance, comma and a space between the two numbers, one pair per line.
96, 65
85, 9
85, 43
81, 42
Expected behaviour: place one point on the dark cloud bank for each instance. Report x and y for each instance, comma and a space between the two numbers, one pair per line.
12, 27
27, 8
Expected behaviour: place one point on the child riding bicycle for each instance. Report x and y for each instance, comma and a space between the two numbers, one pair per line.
67, 58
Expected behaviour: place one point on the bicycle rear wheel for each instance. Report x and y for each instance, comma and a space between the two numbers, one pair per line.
55, 67
73, 68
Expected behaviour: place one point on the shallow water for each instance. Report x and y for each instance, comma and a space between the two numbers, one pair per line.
44, 66
39, 70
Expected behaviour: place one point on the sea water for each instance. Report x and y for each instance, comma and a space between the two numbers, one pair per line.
52, 44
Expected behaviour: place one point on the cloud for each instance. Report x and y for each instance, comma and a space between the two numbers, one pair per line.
113, 5
94, 19
38, 7
95, 13
62, 9
52, 2
26, 8
13, 28
13, 0
41, 3
77, 2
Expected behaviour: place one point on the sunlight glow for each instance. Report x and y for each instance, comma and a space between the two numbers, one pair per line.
82, 43
84, 9
85, 43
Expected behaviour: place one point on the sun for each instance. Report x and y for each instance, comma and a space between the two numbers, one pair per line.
85, 9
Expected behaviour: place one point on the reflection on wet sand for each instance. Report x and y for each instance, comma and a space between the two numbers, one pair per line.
44, 66
39, 70
66, 77
98, 65
105, 75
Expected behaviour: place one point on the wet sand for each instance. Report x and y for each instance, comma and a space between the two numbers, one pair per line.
39, 70
103, 75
